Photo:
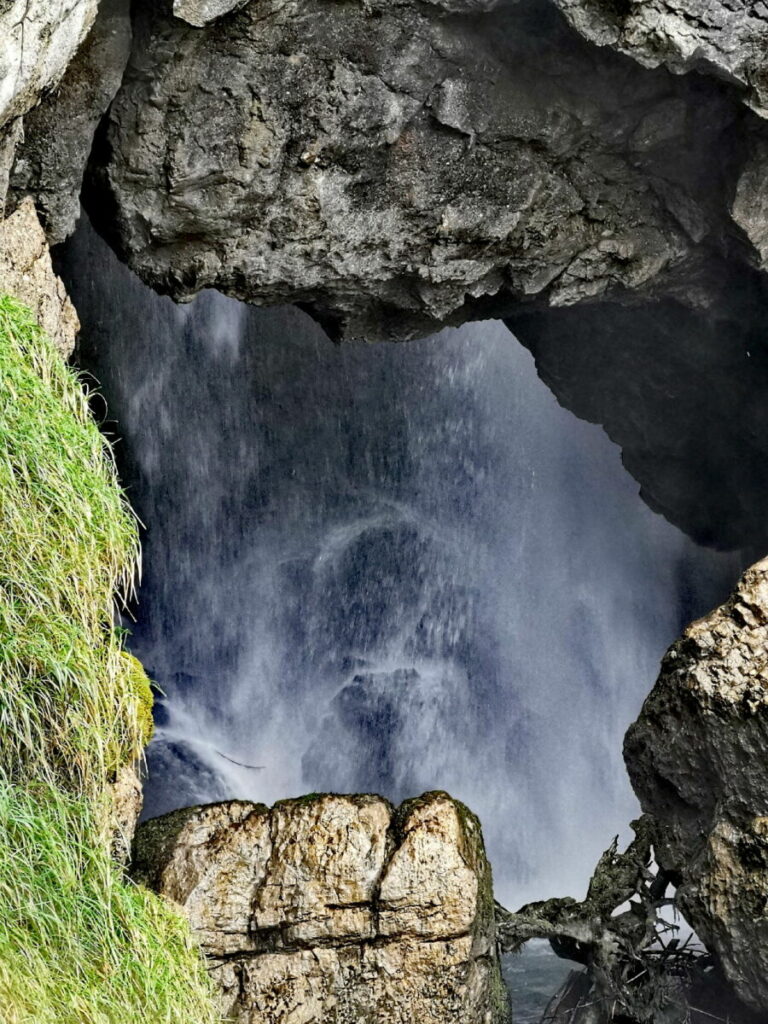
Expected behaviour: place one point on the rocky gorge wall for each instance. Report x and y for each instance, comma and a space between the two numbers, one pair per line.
596, 177
696, 757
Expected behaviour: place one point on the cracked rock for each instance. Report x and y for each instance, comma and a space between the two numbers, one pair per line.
27, 274
727, 39
335, 907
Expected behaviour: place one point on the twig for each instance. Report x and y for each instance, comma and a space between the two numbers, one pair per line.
241, 764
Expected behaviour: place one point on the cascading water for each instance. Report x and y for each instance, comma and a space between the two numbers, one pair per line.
389, 568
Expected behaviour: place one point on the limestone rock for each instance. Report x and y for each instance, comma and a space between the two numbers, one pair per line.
10, 136
726, 38
749, 207
38, 39
697, 760
27, 274
681, 387
200, 12
394, 167
58, 133
335, 908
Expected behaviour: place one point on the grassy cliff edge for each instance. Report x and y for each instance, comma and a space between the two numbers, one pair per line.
78, 943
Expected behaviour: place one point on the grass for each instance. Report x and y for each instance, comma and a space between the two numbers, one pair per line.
69, 545
78, 943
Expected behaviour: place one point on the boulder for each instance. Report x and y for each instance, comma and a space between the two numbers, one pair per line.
397, 166
27, 274
335, 907
697, 760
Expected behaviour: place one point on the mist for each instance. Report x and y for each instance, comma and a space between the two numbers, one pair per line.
389, 568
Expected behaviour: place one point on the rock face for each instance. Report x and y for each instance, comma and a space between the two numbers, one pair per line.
335, 908
683, 390
725, 38
37, 41
27, 274
394, 167
697, 759
126, 796
200, 12
58, 133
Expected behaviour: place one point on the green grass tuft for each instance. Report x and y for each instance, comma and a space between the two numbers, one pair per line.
70, 545
78, 944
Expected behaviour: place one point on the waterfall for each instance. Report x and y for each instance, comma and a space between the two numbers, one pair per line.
383, 568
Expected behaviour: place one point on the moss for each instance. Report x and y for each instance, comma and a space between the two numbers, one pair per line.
140, 687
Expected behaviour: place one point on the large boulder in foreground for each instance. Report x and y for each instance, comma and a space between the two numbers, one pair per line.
335, 908
698, 759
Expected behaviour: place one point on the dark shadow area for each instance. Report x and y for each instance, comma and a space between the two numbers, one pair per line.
683, 391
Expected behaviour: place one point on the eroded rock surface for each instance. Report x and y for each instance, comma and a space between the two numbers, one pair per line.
58, 133
697, 760
684, 392
126, 795
27, 274
726, 38
200, 12
335, 908
394, 167
38, 39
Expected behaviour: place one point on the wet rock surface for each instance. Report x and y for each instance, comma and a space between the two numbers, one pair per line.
697, 760
335, 907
